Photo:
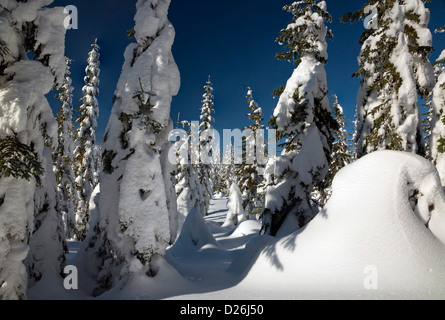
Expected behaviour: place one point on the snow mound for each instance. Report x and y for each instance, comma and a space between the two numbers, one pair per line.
195, 235
247, 227
380, 236
197, 255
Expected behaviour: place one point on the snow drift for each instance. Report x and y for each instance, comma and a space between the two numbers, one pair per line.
380, 236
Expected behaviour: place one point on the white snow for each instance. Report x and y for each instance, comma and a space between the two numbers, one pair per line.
369, 221
415, 75
442, 56
25, 206
376, 238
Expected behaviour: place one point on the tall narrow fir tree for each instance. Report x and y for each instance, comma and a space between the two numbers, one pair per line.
189, 191
84, 152
303, 120
340, 154
437, 123
64, 156
206, 146
250, 171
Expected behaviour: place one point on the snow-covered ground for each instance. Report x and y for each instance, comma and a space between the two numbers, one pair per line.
381, 236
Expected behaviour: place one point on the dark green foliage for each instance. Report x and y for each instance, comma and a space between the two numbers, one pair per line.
380, 78
130, 33
278, 92
441, 147
3, 50
340, 154
19, 160
249, 172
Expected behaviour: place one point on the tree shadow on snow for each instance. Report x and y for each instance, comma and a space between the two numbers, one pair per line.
224, 262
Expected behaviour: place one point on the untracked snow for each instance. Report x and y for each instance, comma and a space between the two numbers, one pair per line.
380, 236
378, 220
385, 220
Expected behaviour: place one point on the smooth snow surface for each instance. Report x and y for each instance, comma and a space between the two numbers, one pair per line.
380, 236
368, 224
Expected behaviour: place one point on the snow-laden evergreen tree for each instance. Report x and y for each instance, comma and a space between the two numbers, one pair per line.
64, 157
227, 171
215, 167
303, 120
188, 188
98, 166
84, 152
394, 71
427, 119
136, 220
250, 171
29, 29
437, 124
46, 257
206, 146
340, 154
341, 151
235, 213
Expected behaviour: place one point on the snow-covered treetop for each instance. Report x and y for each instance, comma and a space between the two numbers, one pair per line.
65, 114
89, 110
66, 89
92, 70
303, 99
151, 16
207, 107
149, 76
307, 33
395, 70
256, 113
398, 24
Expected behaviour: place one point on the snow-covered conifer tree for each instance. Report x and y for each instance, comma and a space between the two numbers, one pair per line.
215, 167
437, 124
134, 223
64, 156
250, 171
340, 154
206, 145
227, 170
86, 140
188, 189
28, 29
394, 70
47, 246
236, 213
303, 120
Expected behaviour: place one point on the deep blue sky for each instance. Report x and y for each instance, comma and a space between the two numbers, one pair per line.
233, 41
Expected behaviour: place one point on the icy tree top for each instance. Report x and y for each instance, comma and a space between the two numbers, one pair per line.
148, 80
307, 33
207, 106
